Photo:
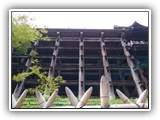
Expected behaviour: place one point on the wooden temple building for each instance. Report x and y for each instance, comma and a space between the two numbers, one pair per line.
82, 56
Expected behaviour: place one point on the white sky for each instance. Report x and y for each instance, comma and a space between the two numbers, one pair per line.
98, 20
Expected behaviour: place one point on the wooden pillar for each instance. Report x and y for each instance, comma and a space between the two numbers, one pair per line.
144, 79
106, 65
53, 62
54, 56
81, 88
135, 76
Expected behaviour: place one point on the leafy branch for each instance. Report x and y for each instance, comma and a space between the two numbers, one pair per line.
44, 81
23, 34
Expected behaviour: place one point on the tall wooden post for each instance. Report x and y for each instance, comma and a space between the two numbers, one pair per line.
53, 62
144, 79
54, 56
81, 88
106, 65
135, 76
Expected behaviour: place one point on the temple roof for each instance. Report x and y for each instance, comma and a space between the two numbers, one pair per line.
136, 25
138, 33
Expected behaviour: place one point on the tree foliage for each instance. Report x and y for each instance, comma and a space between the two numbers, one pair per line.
43, 79
33, 53
23, 34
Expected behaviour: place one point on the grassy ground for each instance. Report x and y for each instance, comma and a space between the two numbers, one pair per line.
31, 102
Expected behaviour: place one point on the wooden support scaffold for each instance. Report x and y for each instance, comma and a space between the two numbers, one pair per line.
82, 56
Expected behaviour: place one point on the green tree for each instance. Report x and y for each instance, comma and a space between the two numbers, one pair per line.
23, 34
43, 79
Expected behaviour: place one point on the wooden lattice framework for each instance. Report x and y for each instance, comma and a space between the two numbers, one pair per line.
82, 56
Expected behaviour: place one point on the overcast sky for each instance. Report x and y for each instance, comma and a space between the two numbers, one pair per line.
98, 20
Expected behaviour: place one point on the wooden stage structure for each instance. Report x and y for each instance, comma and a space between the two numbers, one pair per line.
82, 56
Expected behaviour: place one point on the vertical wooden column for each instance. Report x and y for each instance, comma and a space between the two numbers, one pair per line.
131, 65
53, 62
81, 88
106, 65
54, 56
144, 79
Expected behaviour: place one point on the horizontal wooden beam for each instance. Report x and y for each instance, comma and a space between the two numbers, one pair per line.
92, 57
77, 57
19, 56
88, 82
45, 47
75, 67
97, 83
